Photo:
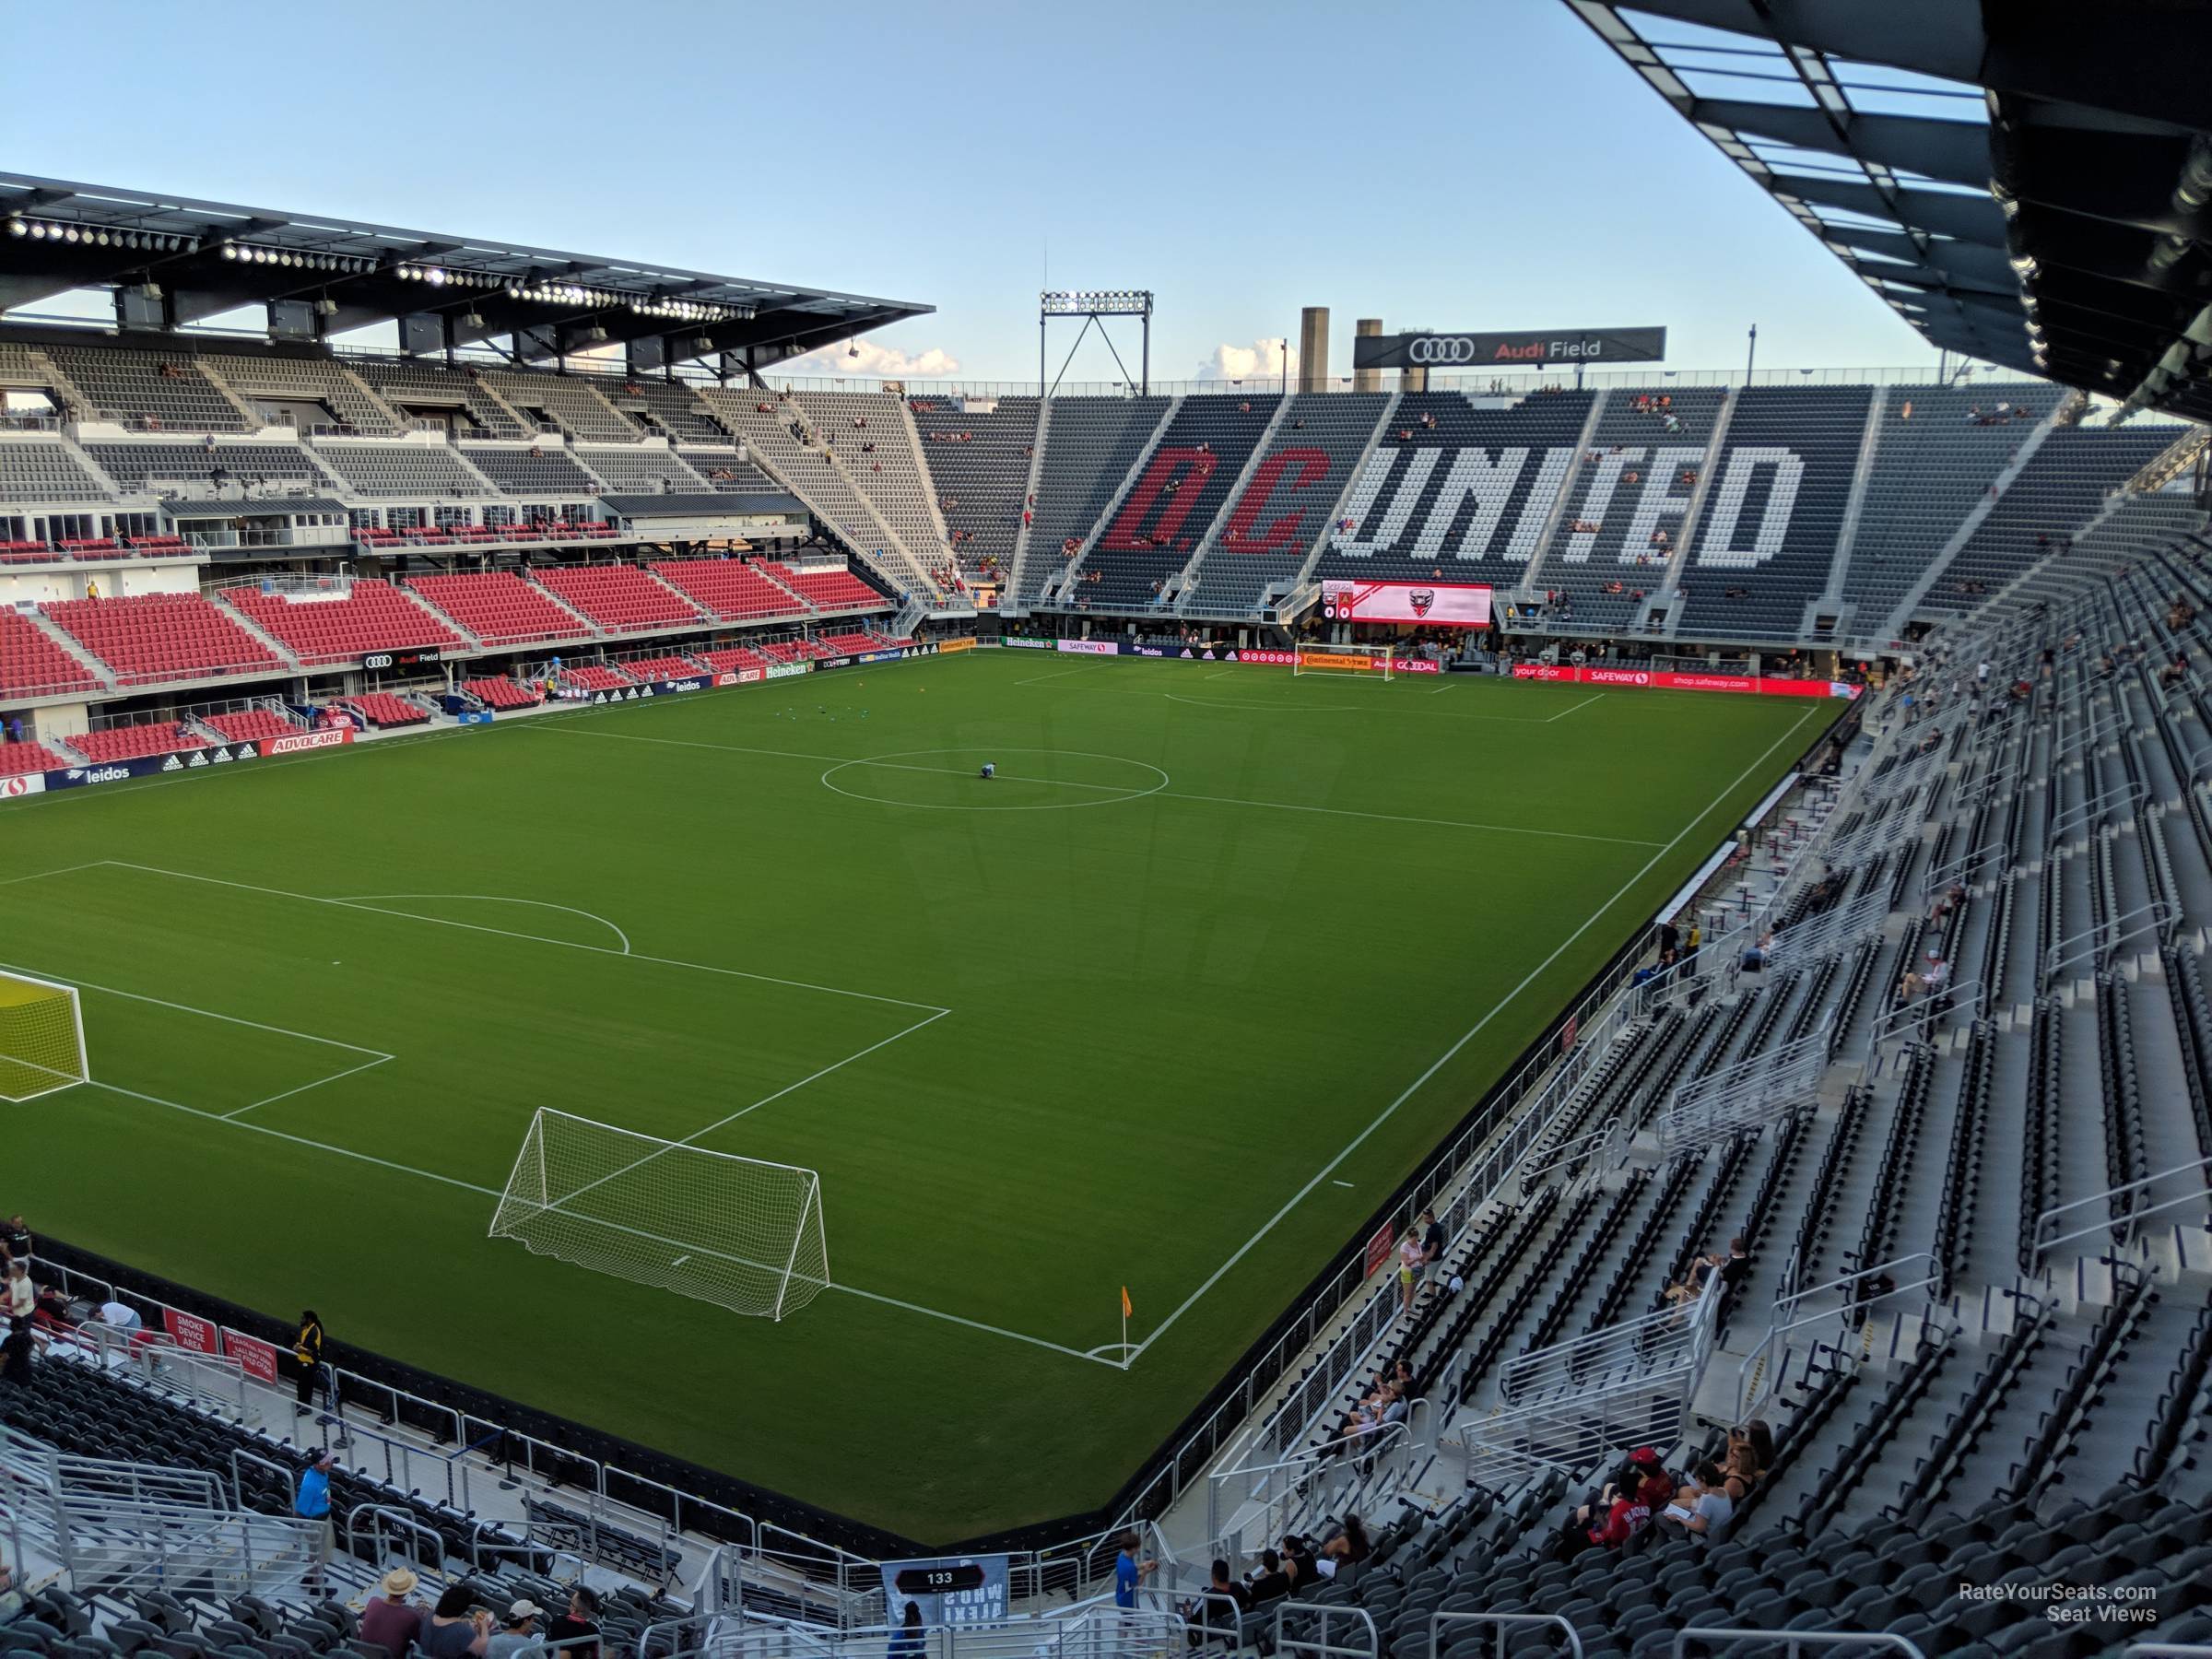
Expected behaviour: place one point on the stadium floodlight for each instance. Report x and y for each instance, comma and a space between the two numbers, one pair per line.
41, 1038
1096, 302
739, 1232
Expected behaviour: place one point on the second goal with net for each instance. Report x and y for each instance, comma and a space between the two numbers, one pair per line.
41, 1038
1379, 661
736, 1232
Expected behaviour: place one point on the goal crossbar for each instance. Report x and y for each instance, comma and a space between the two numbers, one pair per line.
741, 1232
41, 1038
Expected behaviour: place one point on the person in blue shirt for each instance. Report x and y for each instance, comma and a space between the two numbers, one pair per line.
311, 1502
909, 1642
1129, 1572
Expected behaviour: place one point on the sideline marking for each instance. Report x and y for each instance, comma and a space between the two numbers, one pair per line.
1329, 1169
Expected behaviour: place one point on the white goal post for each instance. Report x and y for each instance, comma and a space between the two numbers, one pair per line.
736, 1232
41, 1038
1346, 659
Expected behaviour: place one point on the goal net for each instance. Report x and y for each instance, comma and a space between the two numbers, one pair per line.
41, 1038
736, 1232
1346, 659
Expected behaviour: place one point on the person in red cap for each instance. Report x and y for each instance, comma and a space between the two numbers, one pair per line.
1620, 1510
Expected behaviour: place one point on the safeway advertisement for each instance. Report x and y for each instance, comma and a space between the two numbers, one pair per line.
1661, 679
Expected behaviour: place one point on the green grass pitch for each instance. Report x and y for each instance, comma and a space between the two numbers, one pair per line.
1173, 1001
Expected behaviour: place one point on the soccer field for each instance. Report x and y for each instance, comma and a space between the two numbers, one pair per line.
1173, 1001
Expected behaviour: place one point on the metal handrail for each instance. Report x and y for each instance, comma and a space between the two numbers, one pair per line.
1327, 1611
2130, 1219
1793, 1639
1437, 1621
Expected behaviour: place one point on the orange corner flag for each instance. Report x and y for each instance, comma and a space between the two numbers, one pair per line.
1125, 1308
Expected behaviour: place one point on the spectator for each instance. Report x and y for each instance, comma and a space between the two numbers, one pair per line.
14, 1353
1706, 1506
392, 1621
456, 1626
16, 1241
909, 1642
1351, 1546
1208, 1620
581, 1619
115, 1315
1268, 1581
311, 1502
22, 1295
307, 1354
1432, 1247
1129, 1572
521, 1630
1617, 1514
1409, 1267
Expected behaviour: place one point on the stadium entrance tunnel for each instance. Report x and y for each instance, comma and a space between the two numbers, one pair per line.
1023, 780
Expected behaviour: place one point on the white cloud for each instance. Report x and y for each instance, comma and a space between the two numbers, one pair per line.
1261, 361
867, 360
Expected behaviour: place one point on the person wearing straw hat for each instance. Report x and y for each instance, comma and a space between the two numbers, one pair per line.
390, 1620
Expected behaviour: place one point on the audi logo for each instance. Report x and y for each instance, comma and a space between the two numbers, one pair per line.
1440, 349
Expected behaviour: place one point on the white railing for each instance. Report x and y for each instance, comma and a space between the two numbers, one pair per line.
1747, 1094
2124, 1220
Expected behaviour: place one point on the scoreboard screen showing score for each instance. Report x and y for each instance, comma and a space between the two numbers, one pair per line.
1435, 603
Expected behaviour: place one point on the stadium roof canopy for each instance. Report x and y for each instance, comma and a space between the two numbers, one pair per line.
2029, 182
170, 260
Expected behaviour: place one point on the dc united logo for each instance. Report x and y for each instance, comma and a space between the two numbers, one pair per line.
1422, 600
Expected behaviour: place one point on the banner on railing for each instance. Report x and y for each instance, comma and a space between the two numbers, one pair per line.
1661, 679
948, 646
190, 1332
950, 1590
255, 1358
1379, 1245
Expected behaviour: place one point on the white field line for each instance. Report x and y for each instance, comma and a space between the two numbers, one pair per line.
1330, 1168
1594, 697
234, 1118
364, 899
1159, 794
770, 979
288, 1094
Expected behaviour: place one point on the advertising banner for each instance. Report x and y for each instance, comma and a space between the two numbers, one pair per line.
1090, 647
190, 1332
1527, 348
1023, 642
884, 657
738, 677
331, 738
786, 670
257, 1358
1379, 1248
1269, 659
1438, 604
1660, 679
822, 663
30, 784
949, 646
472, 717
950, 1590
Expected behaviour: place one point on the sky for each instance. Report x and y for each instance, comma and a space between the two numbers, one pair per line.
1477, 164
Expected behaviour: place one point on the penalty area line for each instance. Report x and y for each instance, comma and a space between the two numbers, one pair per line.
494, 1193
